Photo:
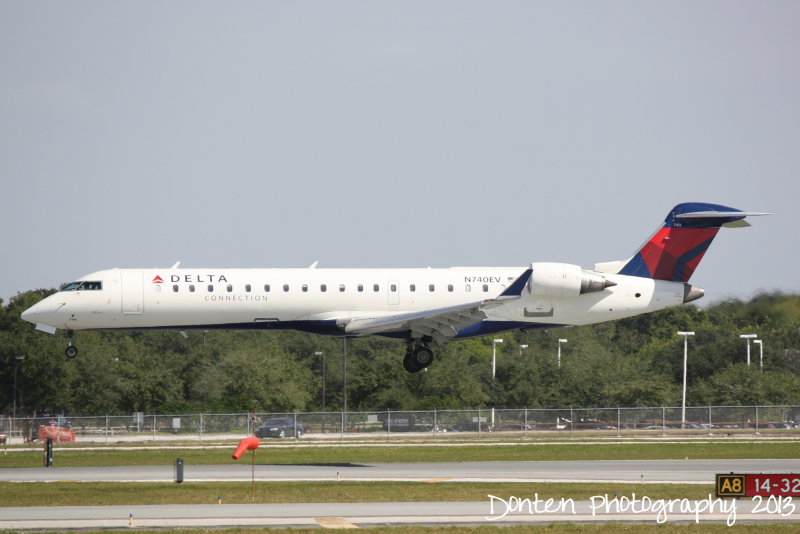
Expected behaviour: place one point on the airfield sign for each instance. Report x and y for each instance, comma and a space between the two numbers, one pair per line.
758, 484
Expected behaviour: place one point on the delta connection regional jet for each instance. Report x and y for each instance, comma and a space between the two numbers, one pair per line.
424, 307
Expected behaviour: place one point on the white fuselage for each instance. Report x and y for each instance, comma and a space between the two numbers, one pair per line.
323, 300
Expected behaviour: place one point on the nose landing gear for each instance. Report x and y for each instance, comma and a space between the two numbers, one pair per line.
418, 357
71, 351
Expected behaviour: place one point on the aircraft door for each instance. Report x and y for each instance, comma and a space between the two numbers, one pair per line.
394, 292
132, 292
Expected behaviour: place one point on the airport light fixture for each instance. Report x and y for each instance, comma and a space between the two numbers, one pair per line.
685, 358
494, 355
748, 337
522, 347
560, 341
760, 353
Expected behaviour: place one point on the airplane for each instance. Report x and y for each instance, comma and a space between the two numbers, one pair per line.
424, 307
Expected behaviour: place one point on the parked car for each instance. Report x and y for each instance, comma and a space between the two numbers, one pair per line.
3, 436
593, 424
280, 427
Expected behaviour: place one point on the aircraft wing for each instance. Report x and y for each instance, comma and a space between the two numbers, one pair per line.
442, 324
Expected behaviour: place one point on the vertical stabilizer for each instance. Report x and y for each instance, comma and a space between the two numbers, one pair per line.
675, 250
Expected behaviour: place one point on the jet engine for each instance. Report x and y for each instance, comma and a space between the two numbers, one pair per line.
562, 280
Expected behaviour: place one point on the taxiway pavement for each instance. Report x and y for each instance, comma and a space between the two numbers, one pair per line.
622, 471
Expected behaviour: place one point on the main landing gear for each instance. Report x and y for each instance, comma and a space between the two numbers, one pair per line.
71, 351
418, 357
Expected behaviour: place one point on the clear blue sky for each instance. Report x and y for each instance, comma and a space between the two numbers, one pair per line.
393, 134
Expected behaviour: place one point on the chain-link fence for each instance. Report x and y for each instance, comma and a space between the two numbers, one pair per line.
530, 422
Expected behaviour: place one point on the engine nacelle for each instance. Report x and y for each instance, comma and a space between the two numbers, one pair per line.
562, 280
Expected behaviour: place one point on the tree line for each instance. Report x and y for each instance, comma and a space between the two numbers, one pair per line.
631, 362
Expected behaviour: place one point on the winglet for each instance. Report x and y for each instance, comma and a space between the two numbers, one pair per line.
515, 289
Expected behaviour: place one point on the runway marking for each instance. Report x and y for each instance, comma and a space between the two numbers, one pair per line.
333, 522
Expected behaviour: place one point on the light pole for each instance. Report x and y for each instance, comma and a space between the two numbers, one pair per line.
760, 353
344, 382
494, 355
685, 358
319, 353
748, 337
522, 347
560, 341
17, 360
494, 367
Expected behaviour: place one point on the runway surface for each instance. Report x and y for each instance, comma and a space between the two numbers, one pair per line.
652, 471
349, 515
502, 509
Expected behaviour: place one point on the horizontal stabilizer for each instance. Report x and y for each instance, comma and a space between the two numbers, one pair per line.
719, 214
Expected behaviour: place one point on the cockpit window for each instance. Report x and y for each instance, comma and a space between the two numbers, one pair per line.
72, 286
82, 286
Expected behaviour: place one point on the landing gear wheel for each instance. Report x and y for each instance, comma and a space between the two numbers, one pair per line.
417, 359
71, 351
423, 356
409, 364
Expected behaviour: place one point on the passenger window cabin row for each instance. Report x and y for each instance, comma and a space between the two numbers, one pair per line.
323, 288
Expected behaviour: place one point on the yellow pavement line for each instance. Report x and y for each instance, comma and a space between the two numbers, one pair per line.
438, 479
333, 522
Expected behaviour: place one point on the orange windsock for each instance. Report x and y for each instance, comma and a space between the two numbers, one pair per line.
247, 444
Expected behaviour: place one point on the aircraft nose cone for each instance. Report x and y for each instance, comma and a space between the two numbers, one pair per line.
30, 314
42, 315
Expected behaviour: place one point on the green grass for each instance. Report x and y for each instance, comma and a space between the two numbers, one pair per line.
67, 456
113, 493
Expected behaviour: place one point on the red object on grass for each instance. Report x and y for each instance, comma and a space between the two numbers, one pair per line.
247, 444
57, 434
